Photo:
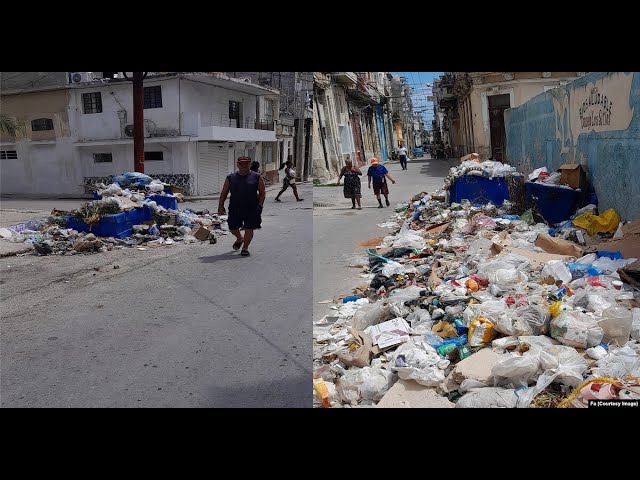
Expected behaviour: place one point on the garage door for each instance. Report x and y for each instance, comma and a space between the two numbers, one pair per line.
212, 167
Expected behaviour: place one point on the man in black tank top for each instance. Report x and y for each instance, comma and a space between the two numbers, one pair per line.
245, 207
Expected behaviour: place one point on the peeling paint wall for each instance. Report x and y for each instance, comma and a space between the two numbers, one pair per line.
593, 121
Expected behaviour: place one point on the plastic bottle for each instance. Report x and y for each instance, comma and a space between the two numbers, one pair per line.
616, 325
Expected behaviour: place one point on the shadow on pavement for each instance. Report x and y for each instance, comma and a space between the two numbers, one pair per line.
293, 391
231, 255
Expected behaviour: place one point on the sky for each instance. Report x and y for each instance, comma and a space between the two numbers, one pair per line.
418, 82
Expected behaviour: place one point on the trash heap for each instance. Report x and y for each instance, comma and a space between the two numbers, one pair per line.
474, 305
133, 211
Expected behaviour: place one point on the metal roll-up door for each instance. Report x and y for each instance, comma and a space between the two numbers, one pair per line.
212, 167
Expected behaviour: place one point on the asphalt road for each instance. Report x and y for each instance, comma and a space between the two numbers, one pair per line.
179, 326
340, 233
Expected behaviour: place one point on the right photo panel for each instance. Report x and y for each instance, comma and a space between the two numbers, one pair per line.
474, 243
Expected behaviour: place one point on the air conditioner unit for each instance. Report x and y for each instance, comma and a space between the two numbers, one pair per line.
79, 77
128, 130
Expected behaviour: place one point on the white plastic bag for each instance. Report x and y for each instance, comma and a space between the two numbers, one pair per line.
392, 268
420, 362
558, 270
576, 329
490, 397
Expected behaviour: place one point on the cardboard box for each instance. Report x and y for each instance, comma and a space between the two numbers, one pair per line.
201, 233
573, 174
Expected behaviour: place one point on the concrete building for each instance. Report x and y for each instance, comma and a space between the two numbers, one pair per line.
80, 132
352, 116
470, 106
593, 121
293, 129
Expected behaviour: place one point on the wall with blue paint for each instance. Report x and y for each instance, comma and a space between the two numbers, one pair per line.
381, 134
593, 121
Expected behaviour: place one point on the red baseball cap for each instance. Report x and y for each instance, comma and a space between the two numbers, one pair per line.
244, 159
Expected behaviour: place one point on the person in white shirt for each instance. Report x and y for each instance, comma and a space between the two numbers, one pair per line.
402, 156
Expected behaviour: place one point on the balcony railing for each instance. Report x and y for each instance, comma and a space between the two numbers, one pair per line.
264, 125
223, 120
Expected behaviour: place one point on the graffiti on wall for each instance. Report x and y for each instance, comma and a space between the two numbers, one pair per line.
595, 110
602, 105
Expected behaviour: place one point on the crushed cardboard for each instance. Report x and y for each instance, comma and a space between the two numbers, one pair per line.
559, 246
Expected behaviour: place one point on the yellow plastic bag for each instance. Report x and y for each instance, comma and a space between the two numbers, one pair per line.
555, 309
605, 222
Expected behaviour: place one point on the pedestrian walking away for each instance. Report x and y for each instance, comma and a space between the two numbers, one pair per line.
289, 180
351, 183
379, 174
255, 167
402, 155
245, 206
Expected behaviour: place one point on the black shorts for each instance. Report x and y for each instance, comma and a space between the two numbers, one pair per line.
380, 188
245, 218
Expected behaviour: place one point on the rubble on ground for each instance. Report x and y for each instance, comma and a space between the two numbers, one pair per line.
133, 211
485, 305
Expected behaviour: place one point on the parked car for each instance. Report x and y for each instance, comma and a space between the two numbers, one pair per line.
418, 152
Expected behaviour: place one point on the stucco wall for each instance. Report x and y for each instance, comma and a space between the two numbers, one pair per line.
561, 126
118, 97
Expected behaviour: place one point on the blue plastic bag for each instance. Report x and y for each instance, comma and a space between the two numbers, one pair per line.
135, 179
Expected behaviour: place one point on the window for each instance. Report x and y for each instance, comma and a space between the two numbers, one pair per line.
41, 124
267, 153
8, 154
234, 110
152, 156
92, 102
268, 109
153, 97
102, 158
234, 113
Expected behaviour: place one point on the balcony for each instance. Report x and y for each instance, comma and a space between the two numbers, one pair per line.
107, 128
348, 78
219, 127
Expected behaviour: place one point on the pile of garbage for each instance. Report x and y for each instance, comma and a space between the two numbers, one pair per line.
487, 168
148, 223
477, 306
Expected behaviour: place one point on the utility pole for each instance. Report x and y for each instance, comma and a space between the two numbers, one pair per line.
299, 113
138, 120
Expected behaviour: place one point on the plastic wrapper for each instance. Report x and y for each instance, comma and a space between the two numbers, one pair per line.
481, 332
576, 329
607, 265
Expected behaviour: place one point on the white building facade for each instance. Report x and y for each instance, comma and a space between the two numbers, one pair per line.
196, 125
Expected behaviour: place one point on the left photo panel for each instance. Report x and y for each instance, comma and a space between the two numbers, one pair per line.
156, 239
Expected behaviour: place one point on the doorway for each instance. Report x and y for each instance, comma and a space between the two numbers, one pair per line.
497, 105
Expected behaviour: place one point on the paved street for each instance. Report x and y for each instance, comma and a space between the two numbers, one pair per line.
179, 326
340, 233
